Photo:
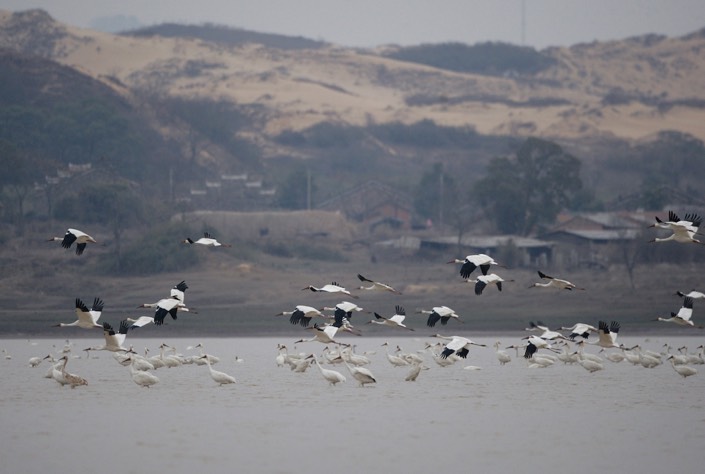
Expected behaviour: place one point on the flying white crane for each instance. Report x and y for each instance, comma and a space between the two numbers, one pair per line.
483, 280
347, 308
440, 313
330, 288
74, 235
552, 282
691, 294
113, 341
332, 376
607, 334
207, 241
166, 306
376, 286
139, 322
178, 292
221, 378
682, 318
579, 329
325, 334
682, 231
546, 333
87, 319
471, 262
302, 315
534, 343
395, 321
458, 345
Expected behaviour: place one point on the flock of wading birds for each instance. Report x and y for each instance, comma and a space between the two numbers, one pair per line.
554, 345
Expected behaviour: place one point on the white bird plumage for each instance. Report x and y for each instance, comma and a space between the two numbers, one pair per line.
682, 318
74, 235
483, 281
87, 319
682, 230
471, 262
332, 376
113, 340
330, 288
552, 282
395, 321
207, 241
376, 286
458, 346
440, 313
221, 378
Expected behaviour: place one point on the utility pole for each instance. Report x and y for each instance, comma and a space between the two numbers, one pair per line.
523, 22
440, 197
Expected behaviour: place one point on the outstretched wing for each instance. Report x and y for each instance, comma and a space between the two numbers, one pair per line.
69, 239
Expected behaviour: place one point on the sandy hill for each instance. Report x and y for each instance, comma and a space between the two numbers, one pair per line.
627, 89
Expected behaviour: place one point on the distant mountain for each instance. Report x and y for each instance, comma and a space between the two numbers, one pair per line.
627, 89
226, 36
216, 101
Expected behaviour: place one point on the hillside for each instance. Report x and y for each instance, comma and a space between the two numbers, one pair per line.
626, 89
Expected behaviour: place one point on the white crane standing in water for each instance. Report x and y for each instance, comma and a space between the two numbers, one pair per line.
361, 374
332, 376
682, 370
142, 377
221, 378
502, 356
72, 379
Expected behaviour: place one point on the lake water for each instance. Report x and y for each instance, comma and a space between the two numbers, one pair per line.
508, 418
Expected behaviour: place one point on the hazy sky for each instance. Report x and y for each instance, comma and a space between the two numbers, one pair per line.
405, 22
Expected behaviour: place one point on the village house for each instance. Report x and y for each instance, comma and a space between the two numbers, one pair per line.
374, 204
594, 239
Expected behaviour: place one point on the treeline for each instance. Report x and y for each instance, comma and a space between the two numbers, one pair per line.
226, 35
491, 58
